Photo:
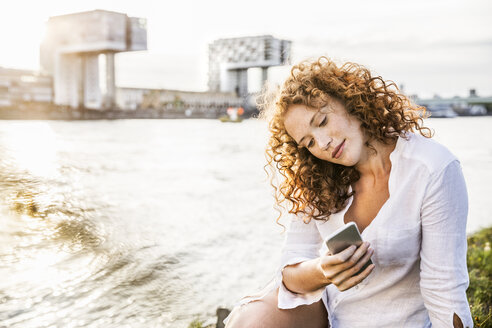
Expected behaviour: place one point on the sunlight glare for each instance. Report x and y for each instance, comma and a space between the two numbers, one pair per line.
33, 146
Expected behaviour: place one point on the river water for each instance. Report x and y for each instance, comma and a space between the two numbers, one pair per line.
154, 223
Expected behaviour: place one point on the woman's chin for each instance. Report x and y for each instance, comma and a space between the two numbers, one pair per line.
340, 161
346, 161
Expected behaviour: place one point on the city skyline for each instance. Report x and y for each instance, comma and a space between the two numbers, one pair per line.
430, 47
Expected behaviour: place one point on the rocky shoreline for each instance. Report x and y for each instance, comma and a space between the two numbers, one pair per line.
221, 313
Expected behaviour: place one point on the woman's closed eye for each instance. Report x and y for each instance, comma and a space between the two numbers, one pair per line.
323, 122
310, 143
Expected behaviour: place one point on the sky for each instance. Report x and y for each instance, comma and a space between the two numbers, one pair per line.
430, 47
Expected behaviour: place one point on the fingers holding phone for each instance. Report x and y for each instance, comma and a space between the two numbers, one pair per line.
348, 267
355, 269
348, 261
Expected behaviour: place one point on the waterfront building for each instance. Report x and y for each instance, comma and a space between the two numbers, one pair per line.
71, 50
230, 59
189, 103
20, 87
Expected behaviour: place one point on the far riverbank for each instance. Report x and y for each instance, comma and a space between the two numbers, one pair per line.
62, 113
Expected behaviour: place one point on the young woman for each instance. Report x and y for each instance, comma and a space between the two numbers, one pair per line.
350, 148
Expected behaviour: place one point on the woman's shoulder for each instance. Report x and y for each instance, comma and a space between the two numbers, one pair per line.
427, 152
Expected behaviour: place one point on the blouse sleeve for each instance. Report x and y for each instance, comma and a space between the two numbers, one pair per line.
302, 243
443, 271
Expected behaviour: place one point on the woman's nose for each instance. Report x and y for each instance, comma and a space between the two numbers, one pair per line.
323, 140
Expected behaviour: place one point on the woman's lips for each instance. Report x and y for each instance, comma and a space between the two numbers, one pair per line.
337, 152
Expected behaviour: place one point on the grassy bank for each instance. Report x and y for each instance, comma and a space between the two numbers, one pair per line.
480, 270
479, 292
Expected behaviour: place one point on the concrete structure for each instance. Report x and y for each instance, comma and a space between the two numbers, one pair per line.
230, 59
20, 87
71, 51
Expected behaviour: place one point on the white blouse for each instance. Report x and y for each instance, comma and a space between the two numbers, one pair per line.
419, 241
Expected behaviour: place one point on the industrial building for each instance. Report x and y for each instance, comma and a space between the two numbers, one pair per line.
71, 50
230, 59
77, 75
75, 44
190, 103
22, 87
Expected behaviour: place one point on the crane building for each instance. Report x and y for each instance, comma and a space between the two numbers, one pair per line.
230, 59
71, 52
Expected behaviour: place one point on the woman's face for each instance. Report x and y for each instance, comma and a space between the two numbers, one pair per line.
330, 133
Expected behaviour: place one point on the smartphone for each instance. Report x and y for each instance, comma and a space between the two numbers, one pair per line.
344, 237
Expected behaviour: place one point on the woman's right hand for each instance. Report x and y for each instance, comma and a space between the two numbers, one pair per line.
340, 269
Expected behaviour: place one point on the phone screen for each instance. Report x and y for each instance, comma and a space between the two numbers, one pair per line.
345, 237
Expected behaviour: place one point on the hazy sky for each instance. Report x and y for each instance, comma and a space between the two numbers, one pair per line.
429, 46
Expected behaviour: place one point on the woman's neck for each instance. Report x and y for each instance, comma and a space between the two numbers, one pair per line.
376, 165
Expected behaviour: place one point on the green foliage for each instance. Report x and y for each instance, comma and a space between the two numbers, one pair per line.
196, 324
479, 293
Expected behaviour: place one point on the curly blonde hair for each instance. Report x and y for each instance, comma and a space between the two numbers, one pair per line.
317, 188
